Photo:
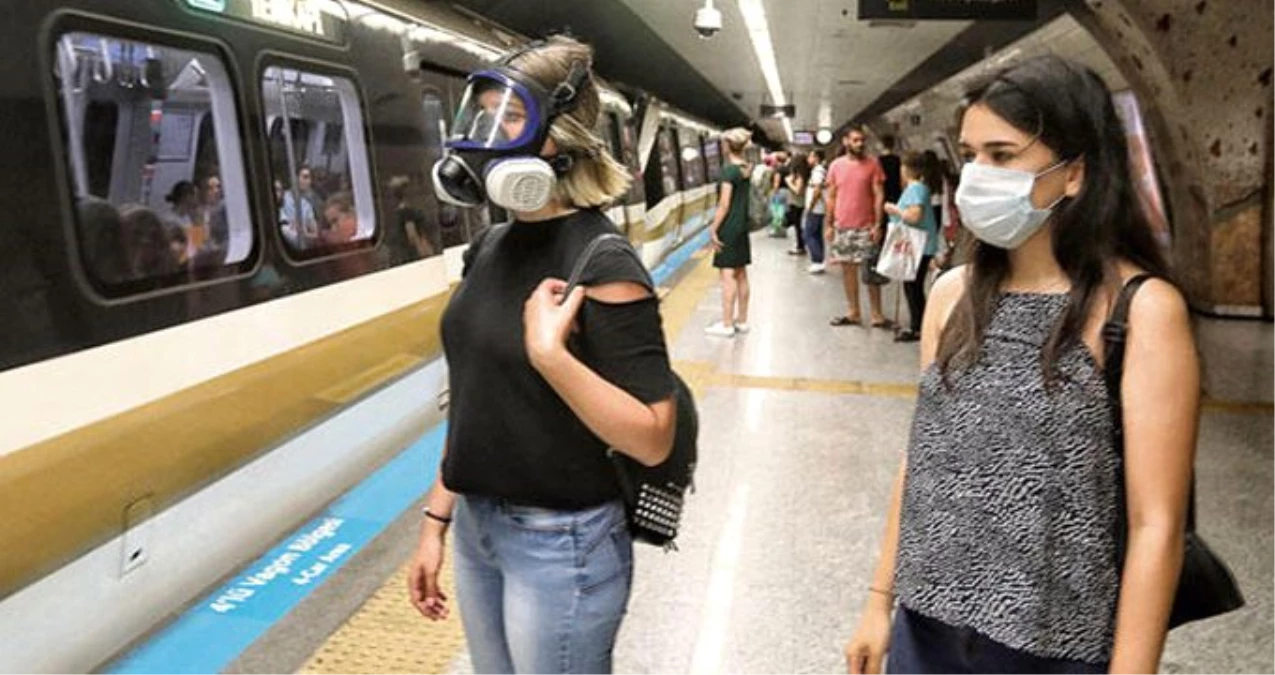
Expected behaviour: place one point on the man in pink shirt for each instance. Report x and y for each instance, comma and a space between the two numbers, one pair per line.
855, 203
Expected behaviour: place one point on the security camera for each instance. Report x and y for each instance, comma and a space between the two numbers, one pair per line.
708, 20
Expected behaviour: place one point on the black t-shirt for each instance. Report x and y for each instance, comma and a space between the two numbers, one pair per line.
510, 436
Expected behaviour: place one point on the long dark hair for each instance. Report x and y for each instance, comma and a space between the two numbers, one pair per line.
1068, 108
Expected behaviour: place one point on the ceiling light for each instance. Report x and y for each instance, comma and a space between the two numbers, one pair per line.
759, 32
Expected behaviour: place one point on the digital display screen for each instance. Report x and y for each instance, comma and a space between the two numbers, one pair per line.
323, 19
1004, 10
803, 138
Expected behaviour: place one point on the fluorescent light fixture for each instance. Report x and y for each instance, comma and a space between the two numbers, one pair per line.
759, 31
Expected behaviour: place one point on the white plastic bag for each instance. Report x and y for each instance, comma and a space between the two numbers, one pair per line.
901, 251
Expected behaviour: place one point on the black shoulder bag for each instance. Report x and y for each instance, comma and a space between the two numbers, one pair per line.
1206, 587
653, 495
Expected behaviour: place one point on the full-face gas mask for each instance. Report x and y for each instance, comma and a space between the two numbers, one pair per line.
501, 125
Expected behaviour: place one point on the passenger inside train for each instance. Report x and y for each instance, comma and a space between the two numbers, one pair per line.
304, 299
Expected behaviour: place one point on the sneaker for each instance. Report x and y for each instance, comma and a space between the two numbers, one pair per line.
720, 330
817, 268
741, 327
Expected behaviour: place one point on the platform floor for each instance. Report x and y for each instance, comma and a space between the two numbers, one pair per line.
802, 426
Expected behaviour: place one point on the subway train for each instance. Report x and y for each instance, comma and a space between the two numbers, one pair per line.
221, 279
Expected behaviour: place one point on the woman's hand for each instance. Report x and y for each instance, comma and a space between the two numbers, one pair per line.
865, 653
892, 209
422, 575
717, 243
547, 320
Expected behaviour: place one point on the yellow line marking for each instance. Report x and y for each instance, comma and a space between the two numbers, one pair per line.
1213, 405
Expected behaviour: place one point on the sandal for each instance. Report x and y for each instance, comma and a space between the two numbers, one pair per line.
843, 321
883, 323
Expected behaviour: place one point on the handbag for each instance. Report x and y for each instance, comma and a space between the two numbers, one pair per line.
653, 495
901, 252
1206, 587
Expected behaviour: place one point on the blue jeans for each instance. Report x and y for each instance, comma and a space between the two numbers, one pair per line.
814, 236
920, 644
541, 590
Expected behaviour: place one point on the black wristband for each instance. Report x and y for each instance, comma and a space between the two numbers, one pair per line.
434, 516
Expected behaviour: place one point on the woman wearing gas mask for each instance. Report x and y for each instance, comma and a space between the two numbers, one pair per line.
541, 385
1002, 537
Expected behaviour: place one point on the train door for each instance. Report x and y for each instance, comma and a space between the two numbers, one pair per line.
691, 164
713, 172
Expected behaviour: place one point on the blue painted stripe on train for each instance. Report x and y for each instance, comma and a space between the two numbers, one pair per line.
210, 635
214, 632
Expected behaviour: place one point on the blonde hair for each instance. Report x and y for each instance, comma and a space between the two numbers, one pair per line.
737, 139
595, 177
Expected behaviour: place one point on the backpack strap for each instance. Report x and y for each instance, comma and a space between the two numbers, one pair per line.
1114, 336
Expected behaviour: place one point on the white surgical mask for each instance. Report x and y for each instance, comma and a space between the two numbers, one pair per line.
996, 204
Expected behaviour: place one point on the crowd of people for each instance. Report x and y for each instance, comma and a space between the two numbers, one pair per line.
134, 242
838, 213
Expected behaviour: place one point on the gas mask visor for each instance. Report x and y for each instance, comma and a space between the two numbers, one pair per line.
496, 114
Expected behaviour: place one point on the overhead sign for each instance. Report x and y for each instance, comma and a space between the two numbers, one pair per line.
768, 110
803, 138
323, 19
999, 10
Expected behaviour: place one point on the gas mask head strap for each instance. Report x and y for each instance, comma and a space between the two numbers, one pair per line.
562, 97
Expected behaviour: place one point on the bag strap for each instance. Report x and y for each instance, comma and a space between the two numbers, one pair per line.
1114, 336
582, 263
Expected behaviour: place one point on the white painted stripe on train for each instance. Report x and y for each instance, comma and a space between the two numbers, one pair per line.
616, 214
58, 395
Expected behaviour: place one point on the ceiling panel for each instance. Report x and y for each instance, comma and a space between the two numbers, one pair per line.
824, 53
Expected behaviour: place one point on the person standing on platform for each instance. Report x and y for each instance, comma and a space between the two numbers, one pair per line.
914, 210
731, 245
796, 180
815, 210
1003, 541
854, 210
544, 559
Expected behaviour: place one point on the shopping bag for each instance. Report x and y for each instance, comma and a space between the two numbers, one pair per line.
901, 252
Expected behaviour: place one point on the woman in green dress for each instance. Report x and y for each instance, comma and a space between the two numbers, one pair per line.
730, 236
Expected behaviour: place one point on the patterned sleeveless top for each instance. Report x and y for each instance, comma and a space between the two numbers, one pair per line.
1009, 514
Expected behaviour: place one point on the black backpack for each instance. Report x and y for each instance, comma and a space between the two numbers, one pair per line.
653, 495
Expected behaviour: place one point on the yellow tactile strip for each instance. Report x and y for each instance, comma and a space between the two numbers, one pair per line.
388, 635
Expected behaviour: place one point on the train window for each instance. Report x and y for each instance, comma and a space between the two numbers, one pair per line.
669, 162
321, 178
712, 158
155, 162
628, 144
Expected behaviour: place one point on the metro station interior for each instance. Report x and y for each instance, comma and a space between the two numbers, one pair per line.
217, 447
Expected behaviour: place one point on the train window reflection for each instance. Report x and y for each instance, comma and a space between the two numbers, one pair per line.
318, 160
155, 162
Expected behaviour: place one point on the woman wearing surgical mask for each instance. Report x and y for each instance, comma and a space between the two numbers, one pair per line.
542, 386
1001, 537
